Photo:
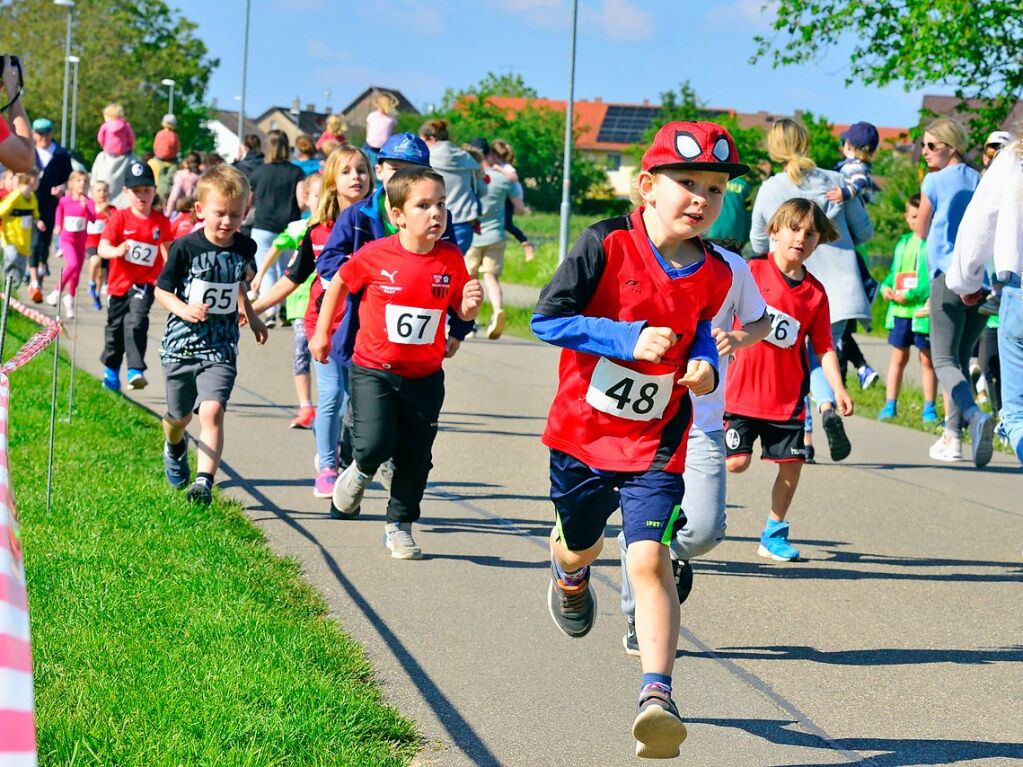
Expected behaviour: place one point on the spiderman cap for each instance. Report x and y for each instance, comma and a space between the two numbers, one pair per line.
696, 146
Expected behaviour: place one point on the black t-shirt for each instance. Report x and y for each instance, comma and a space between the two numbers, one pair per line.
214, 275
273, 186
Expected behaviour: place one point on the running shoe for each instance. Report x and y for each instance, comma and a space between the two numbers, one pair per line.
112, 379
834, 429
350, 487
810, 453
1001, 434
53, 297
630, 641
94, 295
398, 538
36, 294
199, 493
323, 485
136, 379
304, 419
496, 326
336, 513
982, 435
990, 307
658, 728
888, 412
386, 474
930, 414
69, 307
949, 448
774, 542
682, 572
573, 608
867, 375
176, 468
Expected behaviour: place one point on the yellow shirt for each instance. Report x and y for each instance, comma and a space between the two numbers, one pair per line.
19, 216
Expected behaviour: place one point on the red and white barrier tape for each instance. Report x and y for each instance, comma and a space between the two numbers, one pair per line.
27, 311
33, 346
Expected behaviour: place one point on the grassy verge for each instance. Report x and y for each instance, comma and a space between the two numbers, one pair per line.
168, 635
543, 231
516, 321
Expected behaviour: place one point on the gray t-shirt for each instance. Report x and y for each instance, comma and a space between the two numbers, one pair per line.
499, 190
197, 271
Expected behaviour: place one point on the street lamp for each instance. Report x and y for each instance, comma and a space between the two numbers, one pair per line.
70, 5
245, 71
566, 187
74, 60
170, 100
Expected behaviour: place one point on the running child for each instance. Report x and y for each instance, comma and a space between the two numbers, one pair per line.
19, 211
907, 287
202, 286
74, 212
408, 281
102, 211
632, 306
135, 240
765, 395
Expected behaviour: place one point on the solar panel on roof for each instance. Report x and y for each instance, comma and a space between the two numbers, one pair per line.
626, 124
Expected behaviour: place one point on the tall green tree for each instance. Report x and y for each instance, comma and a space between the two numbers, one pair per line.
126, 48
492, 84
974, 46
823, 146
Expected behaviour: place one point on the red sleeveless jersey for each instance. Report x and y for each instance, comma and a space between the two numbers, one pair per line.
621, 415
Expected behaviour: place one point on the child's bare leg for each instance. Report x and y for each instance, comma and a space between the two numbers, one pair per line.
174, 428
737, 464
930, 380
303, 387
893, 383
657, 609
493, 289
570, 561
784, 489
211, 436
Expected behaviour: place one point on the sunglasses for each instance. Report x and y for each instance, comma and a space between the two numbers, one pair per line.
932, 146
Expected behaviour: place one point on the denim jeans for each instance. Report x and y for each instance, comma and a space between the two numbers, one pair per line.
332, 388
1010, 351
820, 389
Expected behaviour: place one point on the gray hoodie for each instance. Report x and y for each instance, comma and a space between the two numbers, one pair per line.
461, 178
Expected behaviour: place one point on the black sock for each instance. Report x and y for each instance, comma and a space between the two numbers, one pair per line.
204, 477
178, 449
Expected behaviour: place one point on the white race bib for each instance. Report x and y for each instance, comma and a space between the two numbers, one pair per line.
409, 325
75, 223
906, 281
96, 227
784, 329
141, 253
623, 392
26, 222
221, 297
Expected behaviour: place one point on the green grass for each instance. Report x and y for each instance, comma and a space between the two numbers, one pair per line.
543, 231
516, 321
169, 635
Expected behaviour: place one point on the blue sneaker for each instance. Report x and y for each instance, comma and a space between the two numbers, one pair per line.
94, 295
136, 379
112, 379
867, 376
888, 412
930, 416
176, 469
774, 542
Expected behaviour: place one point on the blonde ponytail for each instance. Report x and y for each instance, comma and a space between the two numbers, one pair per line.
787, 143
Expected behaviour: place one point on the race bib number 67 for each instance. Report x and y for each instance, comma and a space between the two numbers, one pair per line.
623, 392
409, 325
784, 329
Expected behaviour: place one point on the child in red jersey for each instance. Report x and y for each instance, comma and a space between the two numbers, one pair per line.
767, 384
94, 229
397, 385
135, 240
632, 306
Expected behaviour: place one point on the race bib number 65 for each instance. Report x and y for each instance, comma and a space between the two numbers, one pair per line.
221, 297
140, 253
784, 329
409, 325
621, 391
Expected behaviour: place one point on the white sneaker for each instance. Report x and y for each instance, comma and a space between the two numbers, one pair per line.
949, 448
350, 487
53, 297
496, 326
69, 307
398, 538
982, 435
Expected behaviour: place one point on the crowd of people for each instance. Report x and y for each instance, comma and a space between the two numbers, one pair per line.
678, 354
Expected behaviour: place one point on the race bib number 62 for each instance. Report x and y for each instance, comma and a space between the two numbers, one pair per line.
221, 297
140, 253
784, 329
409, 325
621, 391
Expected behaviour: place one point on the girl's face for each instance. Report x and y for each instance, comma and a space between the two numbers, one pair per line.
77, 186
352, 179
937, 154
312, 193
796, 242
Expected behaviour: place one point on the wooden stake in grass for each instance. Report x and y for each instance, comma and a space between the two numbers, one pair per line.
3, 317
53, 403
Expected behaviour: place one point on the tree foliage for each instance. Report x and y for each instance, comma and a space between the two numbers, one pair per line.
822, 146
126, 48
492, 84
974, 47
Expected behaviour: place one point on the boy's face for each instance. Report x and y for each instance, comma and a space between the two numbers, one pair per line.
222, 216
912, 211
795, 243
848, 150
100, 193
312, 194
686, 201
424, 214
140, 199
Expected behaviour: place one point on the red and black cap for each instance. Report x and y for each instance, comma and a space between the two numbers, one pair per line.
694, 145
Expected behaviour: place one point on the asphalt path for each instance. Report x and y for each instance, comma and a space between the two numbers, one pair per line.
897, 641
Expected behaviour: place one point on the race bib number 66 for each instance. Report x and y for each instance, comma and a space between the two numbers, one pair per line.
784, 329
409, 325
621, 391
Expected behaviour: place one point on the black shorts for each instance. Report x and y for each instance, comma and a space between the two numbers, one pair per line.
780, 441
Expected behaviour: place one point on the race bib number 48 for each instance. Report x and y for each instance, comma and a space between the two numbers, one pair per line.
221, 297
784, 329
621, 391
140, 253
409, 325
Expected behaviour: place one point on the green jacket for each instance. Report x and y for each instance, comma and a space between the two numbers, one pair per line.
910, 257
290, 239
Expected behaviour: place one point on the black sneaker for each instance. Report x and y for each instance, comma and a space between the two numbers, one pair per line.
629, 641
336, 513
809, 455
658, 727
682, 572
834, 429
199, 493
573, 608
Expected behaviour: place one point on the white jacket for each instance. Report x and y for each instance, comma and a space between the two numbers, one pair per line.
992, 226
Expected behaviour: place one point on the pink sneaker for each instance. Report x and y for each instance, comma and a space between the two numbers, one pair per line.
323, 487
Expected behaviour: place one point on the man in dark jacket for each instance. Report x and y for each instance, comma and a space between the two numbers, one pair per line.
54, 164
250, 157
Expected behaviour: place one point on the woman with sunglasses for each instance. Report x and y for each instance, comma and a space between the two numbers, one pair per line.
955, 322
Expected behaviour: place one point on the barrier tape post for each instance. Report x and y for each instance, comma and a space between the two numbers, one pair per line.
53, 404
74, 348
3, 317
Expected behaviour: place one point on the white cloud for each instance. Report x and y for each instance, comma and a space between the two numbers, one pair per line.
621, 20
756, 14
417, 15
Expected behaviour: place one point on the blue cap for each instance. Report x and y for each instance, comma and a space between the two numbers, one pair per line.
42, 125
405, 147
862, 136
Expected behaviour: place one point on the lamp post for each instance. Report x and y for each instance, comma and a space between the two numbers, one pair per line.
75, 60
566, 188
70, 5
245, 71
170, 99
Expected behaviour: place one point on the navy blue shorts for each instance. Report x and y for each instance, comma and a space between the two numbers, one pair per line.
901, 336
585, 498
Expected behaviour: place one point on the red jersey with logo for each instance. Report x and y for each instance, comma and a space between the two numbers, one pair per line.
402, 314
143, 262
770, 380
94, 229
622, 415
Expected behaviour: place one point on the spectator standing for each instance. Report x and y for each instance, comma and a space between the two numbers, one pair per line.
185, 181
250, 157
486, 255
166, 148
117, 141
335, 131
54, 164
307, 159
380, 124
504, 157
462, 180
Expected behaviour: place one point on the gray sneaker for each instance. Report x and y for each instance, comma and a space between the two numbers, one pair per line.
658, 728
398, 538
630, 641
349, 489
176, 469
982, 435
386, 474
573, 608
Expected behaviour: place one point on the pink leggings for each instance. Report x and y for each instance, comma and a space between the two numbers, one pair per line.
74, 260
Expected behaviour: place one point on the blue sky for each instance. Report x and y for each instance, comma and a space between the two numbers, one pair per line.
628, 51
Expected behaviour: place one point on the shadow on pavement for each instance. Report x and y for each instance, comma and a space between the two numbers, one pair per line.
906, 752
821, 571
867, 657
963, 466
